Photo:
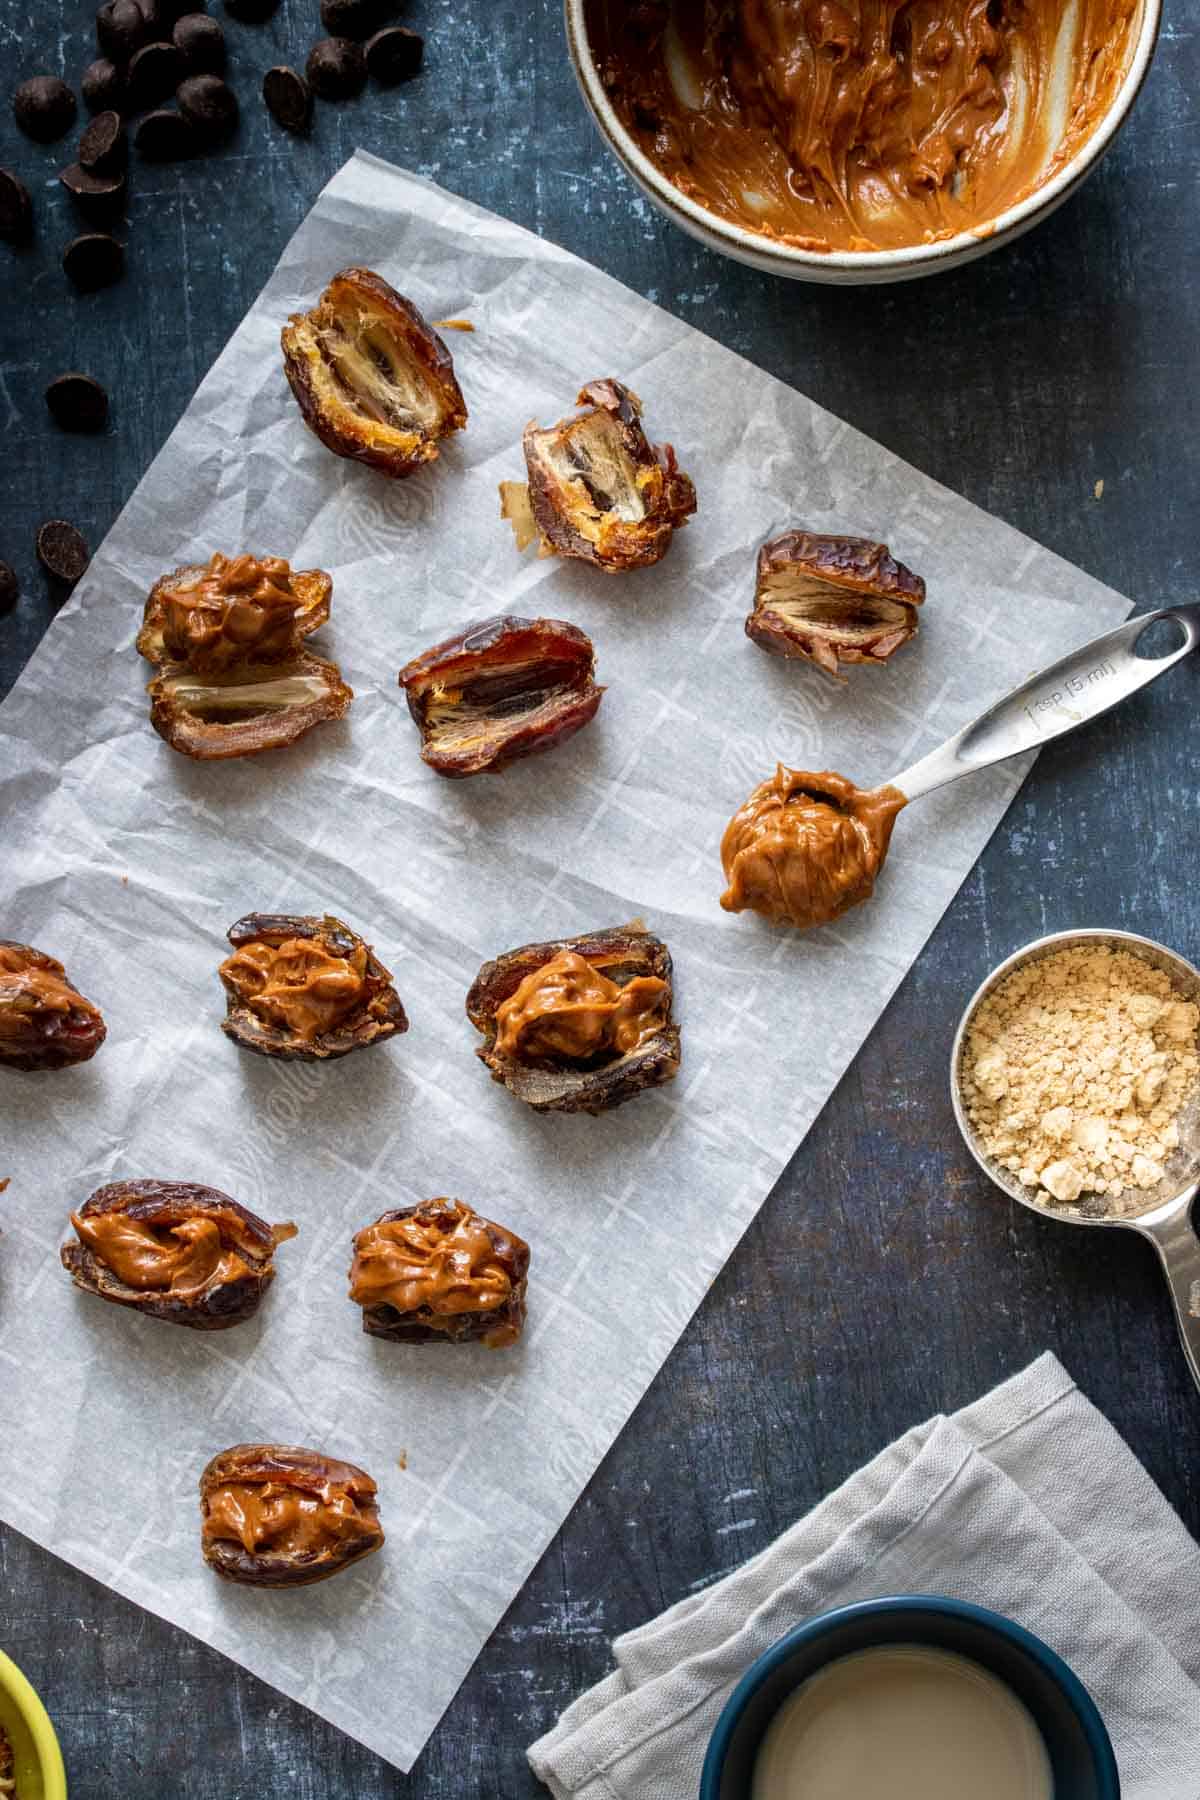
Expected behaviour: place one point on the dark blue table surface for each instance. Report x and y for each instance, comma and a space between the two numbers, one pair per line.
884, 1280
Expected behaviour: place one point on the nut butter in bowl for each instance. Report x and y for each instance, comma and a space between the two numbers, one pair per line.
859, 140
918, 1697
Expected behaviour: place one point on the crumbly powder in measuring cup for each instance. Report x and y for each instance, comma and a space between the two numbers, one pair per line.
1074, 1072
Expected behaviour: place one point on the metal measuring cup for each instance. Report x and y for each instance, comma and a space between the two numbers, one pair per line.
1164, 1215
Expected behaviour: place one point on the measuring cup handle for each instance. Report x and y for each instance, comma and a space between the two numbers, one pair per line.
1179, 1248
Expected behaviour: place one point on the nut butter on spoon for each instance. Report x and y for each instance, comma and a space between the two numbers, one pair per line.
805, 848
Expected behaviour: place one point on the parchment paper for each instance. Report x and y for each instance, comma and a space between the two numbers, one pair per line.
129, 862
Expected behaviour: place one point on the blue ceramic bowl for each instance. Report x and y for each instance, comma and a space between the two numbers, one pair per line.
1081, 1755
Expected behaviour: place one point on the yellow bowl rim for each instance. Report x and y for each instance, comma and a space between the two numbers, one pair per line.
45, 1740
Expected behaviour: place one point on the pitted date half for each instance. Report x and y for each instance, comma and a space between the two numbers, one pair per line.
597, 488
832, 600
371, 376
501, 690
306, 988
248, 709
280, 1515
579, 1024
186, 1254
44, 1022
440, 1273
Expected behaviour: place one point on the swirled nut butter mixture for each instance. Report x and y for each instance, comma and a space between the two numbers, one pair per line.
860, 124
1074, 1073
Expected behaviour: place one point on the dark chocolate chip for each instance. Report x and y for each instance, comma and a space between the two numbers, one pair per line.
100, 198
62, 551
94, 261
208, 105
252, 11
352, 18
16, 209
77, 403
103, 86
44, 107
395, 55
155, 72
201, 43
165, 137
10, 588
160, 16
120, 29
336, 69
104, 148
288, 97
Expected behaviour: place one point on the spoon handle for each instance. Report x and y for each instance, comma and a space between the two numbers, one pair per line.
1179, 1248
1082, 686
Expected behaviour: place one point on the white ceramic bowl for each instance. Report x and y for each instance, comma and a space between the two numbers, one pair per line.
856, 267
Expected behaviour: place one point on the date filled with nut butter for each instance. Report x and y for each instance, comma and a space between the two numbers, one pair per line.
44, 1022
805, 848
856, 125
579, 1024
186, 1254
569, 1008
440, 1272
227, 638
279, 1515
306, 988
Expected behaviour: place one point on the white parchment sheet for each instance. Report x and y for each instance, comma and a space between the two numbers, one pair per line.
129, 862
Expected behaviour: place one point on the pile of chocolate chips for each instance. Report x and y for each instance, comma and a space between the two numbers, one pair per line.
150, 52
156, 51
360, 43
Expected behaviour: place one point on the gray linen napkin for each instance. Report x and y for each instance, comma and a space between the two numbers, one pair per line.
1027, 1502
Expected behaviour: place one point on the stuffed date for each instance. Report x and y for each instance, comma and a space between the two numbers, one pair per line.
232, 610
501, 690
44, 1022
305, 988
280, 1516
832, 600
597, 488
440, 1273
578, 1024
371, 376
186, 1254
227, 638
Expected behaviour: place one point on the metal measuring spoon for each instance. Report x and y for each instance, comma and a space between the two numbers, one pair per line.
1165, 1215
1082, 686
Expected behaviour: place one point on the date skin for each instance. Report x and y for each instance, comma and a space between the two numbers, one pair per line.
621, 954
499, 691
163, 1204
